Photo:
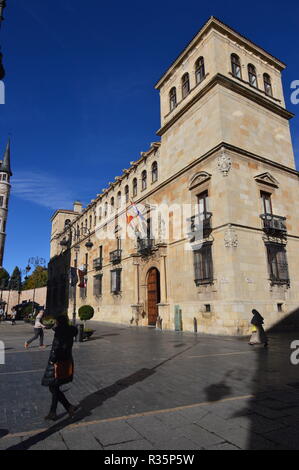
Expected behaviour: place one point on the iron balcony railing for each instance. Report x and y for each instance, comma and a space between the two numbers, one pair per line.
115, 256
199, 225
98, 263
274, 223
145, 246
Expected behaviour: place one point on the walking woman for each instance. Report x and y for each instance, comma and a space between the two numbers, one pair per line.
60, 368
258, 333
38, 331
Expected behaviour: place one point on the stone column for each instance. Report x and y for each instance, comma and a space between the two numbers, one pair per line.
136, 306
164, 305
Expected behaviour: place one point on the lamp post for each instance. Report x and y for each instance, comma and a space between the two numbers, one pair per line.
35, 261
2, 6
67, 243
23, 272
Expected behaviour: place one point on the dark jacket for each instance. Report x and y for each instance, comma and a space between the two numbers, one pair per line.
257, 319
61, 351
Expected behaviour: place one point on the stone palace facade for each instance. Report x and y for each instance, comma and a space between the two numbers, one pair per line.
224, 171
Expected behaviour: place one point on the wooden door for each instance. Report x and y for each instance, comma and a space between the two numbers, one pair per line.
153, 295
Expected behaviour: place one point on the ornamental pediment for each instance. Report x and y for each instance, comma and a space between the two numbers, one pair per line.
268, 179
199, 178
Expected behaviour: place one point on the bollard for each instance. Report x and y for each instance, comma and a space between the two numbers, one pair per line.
81, 333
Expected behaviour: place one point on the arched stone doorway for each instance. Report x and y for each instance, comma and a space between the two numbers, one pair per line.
153, 295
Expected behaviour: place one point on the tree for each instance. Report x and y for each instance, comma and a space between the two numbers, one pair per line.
86, 312
38, 278
15, 280
4, 278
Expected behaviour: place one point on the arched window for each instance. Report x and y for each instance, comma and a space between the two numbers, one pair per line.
118, 199
199, 70
236, 66
67, 222
154, 172
112, 204
185, 85
268, 85
143, 180
90, 221
106, 209
100, 213
172, 98
135, 187
252, 75
127, 193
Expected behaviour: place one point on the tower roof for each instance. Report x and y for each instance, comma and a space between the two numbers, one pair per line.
5, 164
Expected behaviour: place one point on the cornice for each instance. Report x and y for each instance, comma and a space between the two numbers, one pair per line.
216, 24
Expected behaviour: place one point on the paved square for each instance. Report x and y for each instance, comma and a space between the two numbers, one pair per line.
142, 388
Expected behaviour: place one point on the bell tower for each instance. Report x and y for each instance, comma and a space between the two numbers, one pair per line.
5, 175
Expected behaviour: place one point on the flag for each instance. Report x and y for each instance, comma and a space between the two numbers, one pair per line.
129, 218
73, 276
82, 279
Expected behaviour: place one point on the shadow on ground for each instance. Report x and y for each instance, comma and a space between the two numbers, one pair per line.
93, 401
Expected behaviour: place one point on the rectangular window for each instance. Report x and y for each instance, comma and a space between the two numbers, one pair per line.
202, 200
82, 292
267, 205
1, 201
97, 285
277, 263
116, 281
101, 252
203, 264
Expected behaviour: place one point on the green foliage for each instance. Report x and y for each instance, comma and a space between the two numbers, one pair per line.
4, 278
27, 310
86, 312
15, 282
38, 278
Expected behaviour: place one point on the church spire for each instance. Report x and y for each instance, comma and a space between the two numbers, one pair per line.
5, 165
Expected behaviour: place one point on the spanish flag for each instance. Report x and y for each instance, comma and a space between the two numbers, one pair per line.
130, 217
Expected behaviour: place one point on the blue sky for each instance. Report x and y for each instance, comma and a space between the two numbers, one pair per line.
80, 97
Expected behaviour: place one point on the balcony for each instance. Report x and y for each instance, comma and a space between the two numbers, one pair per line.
98, 264
145, 246
274, 224
200, 226
115, 256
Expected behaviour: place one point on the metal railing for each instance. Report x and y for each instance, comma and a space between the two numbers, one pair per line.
274, 223
200, 224
98, 263
145, 246
115, 256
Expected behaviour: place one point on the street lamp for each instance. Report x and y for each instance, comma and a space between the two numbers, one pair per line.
67, 243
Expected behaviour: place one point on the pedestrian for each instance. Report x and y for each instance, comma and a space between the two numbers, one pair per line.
1, 314
60, 368
13, 316
38, 331
258, 333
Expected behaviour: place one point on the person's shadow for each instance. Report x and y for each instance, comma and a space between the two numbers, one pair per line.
3, 432
216, 392
93, 401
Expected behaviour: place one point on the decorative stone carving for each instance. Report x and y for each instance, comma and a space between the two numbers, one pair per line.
281, 240
268, 179
199, 178
230, 238
224, 163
